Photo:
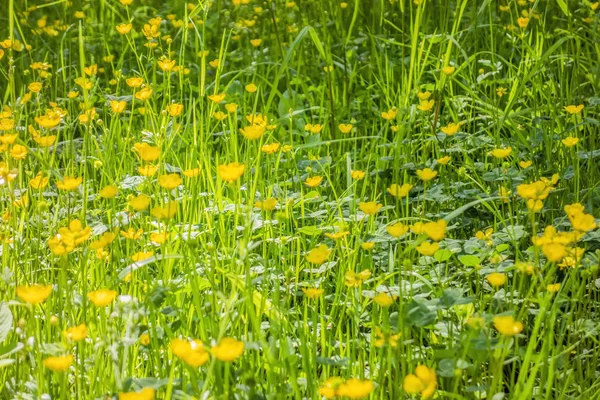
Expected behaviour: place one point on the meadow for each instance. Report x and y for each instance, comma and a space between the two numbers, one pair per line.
309, 199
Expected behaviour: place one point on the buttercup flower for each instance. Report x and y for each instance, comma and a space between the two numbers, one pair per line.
34, 294
228, 349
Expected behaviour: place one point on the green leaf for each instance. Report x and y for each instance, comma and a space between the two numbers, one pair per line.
453, 297
6, 320
419, 314
310, 230
442, 255
469, 260
464, 208
563, 6
137, 265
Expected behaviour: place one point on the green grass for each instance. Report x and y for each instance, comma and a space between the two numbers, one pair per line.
228, 269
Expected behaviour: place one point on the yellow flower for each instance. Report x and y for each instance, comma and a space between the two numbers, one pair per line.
270, 148
144, 339
108, 192
328, 390
253, 132
337, 235
34, 294
426, 174
91, 70
358, 175
444, 160
389, 115
147, 170
147, 152
192, 352
426, 105
134, 82
313, 293
144, 394
255, 42
537, 190
123, 29
141, 255
352, 279
231, 172
164, 213
449, 70
84, 83
523, 22
69, 183
435, 230
18, 152
428, 249
313, 181
385, 338
102, 297
251, 88
355, 388
496, 279
76, 333
74, 234
318, 255
39, 182
501, 153
231, 107
219, 115
399, 191
554, 252
396, 230
451, 129
35, 87
6, 124
501, 91
383, 299
369, 207
8, 139
132, 234
143, 94
313, 128
345, 128
424, 95
525, 164
174, 110
583, 222
159, 237
104, 240
423, 382
366, 246
59, 363
228, 349
139, 203
574, 109
507, 325
117, 106
191, 173
49, 120
553, 287
169, 181
217, 98
166, 65
267, 204
570, 141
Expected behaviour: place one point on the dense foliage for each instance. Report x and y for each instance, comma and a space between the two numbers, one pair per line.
245, 199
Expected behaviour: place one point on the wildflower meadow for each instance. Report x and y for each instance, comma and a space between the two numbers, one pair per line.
309, 199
